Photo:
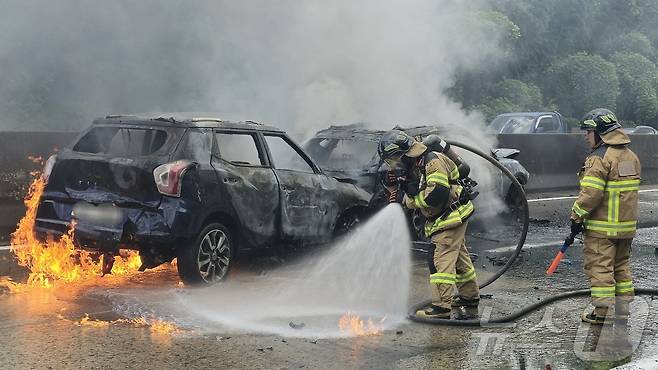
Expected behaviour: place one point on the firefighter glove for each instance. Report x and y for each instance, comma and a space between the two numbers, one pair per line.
411, 187
576, 227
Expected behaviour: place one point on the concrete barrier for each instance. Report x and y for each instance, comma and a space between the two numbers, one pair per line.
553, 160
19, 151
17, 146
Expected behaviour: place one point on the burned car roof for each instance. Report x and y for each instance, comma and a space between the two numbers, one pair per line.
182, 120
359, 131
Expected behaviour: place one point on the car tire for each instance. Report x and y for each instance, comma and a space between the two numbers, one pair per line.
513, 197
208, 259
347, 223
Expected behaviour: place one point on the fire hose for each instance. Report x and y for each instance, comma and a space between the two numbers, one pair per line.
527, 309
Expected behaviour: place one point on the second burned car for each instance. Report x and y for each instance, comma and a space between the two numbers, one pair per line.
350, 151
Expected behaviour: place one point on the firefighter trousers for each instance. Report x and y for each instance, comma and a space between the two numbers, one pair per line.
450, 265
607, 266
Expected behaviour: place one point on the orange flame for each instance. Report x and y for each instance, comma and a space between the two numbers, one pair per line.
57, 260
352, 324
156, 326
36, 159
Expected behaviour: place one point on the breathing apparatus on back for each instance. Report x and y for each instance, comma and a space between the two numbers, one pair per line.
436, 144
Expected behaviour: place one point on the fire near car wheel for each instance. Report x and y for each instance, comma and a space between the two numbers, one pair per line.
208, 259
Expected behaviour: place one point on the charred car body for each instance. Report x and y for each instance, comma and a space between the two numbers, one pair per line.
199, 189
350, 151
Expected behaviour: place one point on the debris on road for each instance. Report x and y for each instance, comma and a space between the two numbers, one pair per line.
296, 326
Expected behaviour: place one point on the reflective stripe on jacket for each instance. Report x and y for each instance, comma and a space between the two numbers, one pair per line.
609, 184
440, 171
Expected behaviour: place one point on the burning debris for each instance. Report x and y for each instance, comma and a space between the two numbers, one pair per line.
352, 325
156, 326
57, 260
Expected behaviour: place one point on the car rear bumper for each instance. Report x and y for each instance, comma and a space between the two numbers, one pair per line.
132, 226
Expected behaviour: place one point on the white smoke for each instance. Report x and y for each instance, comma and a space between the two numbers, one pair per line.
299, 65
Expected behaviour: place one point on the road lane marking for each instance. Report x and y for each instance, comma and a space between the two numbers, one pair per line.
549, 199
557, 243
575, 196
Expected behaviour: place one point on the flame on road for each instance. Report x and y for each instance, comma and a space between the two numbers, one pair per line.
353, 325
57, 260
156, 326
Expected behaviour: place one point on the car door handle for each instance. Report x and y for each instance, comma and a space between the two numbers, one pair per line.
231, 180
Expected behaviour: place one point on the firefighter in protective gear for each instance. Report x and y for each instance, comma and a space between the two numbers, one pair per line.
431, 186
606, 209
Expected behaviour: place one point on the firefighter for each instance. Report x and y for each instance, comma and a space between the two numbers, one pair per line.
606, 209
431, 185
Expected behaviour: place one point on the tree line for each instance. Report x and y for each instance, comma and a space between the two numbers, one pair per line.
570, 56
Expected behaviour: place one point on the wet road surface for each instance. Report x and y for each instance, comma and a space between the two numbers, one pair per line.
117, 322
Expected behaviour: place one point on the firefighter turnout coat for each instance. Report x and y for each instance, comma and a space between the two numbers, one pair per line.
438, 191
609, 184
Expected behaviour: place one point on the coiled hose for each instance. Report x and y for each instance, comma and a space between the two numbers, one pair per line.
527, 309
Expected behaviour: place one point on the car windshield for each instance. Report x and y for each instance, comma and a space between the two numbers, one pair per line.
512, 124
341, 154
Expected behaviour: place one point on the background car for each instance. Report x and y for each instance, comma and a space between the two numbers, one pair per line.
193, 188
529, 123
640, 130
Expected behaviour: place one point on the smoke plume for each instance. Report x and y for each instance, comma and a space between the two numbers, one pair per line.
299, 65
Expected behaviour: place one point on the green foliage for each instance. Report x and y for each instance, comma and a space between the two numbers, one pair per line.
638, 78
582, 82
511, 95
582, 53
633, 42
499, 23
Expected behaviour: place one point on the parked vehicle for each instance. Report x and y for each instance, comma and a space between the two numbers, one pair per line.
193, 188
350, 151
529, 123
640, 130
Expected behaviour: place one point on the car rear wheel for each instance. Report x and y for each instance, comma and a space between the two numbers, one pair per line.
208, 259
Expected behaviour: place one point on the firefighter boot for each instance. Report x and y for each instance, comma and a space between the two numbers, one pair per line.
434, 312
460, 301
599, 316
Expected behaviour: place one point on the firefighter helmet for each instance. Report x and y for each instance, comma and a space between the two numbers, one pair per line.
394, 143
601, 120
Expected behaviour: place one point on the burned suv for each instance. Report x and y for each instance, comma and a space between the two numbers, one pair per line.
199, 189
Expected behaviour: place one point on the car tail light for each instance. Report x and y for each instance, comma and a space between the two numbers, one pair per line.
48, 168
169, 177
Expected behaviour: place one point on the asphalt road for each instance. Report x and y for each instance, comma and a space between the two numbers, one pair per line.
50, 328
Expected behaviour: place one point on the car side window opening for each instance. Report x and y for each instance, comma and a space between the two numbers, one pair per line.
196, 146
547, 124
285, 157
351, 154
239, 149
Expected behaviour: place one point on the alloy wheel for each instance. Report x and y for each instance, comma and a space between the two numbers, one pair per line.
214, 256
